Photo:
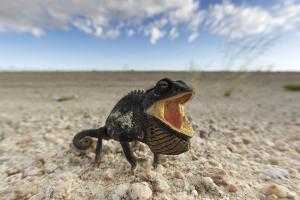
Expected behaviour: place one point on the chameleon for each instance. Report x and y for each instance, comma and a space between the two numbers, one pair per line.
155, 117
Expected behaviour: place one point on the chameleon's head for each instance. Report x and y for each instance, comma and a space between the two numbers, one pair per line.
165, 101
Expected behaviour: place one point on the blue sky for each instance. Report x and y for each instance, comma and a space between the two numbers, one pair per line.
151, 35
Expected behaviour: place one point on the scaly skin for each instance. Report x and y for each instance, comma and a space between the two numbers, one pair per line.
128, 122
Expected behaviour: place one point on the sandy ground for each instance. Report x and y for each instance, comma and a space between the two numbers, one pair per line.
246, 146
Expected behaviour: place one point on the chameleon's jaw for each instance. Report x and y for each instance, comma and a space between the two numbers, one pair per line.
171, 112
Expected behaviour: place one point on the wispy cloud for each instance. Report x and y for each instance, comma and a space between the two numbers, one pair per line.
242, 21
110, 19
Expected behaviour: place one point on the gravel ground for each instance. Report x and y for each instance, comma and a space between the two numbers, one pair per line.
245, 146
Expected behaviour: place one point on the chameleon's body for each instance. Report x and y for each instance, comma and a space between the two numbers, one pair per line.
154, 117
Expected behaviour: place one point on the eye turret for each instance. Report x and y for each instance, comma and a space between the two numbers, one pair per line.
163, 85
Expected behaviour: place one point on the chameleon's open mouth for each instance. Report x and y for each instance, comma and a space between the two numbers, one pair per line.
171, 112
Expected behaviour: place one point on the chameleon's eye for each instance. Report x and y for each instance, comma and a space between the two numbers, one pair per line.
163, 85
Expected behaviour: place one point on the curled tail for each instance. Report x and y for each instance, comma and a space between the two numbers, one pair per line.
83, 140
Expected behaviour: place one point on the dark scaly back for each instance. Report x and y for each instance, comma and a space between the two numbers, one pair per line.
130, 109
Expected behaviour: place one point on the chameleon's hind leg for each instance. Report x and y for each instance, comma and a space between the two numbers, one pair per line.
98, 150
129, 155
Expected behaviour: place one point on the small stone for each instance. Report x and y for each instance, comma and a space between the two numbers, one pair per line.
202, 160
275, 189
273, 161
272, 197
231, 188
32, 171
194, 192
76, 161
292, 195
213, 127
140, 191
231, 148
179, 175
203, 134
217, 175
149, 175
281, 146
246, 141
200, 188
214, 163
276, 173
195, 126
180, 196
12, 171
210, 186
160, 169
50, 167
159, 182
269, 143
120, 192
109, 175
237, 140
162, 196
186, 185
3, 159
61, 187
160, 185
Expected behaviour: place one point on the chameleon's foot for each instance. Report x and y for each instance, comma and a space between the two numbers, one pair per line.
156, 160
97, 163
133, 169
154, 165
142, 159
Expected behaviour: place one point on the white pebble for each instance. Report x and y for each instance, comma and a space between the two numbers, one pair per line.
32, 171
273, 188
276, 173
120, 192
140, 191
160, 185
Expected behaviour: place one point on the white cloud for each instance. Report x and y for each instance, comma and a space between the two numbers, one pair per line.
173, 33
99, 18
130, 32
185, 12
242, 21
193, 37
110, 19
155, 34
289, 14
106, 19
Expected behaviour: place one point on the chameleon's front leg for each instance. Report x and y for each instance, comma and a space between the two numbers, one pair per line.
125, 138
156, 160
129, 155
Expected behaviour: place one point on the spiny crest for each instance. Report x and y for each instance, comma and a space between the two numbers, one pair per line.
137, 94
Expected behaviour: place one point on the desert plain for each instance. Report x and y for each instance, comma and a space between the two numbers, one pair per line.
246, 142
